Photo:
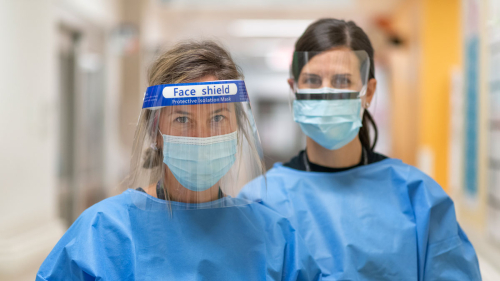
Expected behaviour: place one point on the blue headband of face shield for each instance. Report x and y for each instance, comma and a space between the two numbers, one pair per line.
198, 163
327, 93
223, 91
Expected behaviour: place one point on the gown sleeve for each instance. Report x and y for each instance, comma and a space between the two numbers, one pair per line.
445, 252
95, 247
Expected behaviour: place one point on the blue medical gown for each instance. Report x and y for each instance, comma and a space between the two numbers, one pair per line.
134, 236
383, 221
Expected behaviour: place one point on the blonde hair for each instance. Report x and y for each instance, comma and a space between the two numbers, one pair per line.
192, 60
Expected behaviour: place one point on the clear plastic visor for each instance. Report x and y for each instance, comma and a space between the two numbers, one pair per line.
330, 75
196, 145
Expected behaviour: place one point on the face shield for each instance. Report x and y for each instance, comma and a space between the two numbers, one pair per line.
196, 144
330, 75
328, 92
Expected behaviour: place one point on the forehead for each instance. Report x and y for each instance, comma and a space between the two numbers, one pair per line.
337, 61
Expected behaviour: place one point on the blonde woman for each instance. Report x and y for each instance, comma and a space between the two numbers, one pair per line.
194, 149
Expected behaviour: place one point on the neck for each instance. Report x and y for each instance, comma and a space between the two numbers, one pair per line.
346, 156
184, 195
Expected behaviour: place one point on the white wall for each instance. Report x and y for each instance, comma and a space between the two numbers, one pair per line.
29, 103
28, 220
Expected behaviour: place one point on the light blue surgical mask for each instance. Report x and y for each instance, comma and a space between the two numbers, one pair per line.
330, 123
199, 163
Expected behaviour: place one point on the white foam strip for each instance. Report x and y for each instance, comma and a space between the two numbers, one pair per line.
200, 141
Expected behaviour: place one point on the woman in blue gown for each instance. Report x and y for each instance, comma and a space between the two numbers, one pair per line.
194, 149
364, 216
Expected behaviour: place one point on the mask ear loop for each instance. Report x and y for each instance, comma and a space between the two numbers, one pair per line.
365, 87
362, 94
153, 145
364, 105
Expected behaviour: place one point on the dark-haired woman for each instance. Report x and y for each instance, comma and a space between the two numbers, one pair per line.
364, 216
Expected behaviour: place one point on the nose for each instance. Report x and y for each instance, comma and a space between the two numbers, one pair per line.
201, 131
326, 83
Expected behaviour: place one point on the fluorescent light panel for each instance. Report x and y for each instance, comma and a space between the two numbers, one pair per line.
268, 28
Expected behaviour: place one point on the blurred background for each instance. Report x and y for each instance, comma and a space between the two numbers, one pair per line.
73, 74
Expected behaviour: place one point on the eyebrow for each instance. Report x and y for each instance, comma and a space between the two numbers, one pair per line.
341, 75
220, 110
310, 74
337, 74
180, 112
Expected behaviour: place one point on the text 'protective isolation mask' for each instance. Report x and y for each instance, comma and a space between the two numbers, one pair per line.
199, 163
329, 89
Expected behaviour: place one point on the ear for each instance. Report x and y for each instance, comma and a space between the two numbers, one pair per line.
370, 90
290, 83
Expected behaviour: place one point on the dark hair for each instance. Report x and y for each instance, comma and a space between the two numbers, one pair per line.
325, 34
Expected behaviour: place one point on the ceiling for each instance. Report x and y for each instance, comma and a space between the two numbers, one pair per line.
260, 34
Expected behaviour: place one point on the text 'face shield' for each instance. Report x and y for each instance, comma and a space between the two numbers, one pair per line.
196, 143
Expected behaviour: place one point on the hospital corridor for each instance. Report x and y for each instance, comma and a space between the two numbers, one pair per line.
250, 140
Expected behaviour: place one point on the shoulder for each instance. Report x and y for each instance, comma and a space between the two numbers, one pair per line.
91, 241
271, 184
416, 181
400, 169
420, 182
110, 216
409, 180
113, 207
428, 199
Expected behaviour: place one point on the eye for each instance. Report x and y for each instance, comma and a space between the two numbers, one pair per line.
182, 119
341, 82
218, 118
312, 81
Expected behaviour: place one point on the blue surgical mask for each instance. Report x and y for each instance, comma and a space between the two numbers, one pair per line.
199, 163
330, 123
